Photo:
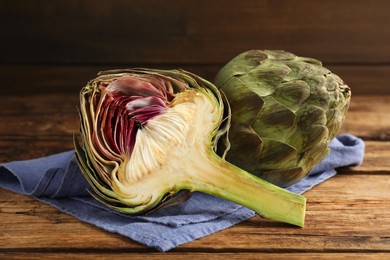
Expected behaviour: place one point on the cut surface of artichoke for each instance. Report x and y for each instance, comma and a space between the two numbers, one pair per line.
172, 151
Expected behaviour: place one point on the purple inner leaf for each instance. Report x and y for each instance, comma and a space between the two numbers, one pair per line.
128, 103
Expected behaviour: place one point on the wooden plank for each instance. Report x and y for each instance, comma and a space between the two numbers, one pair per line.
193, 255
23, 148
26, 147
320, 29
375, 161
46, 79
367, 80
347, 216
186, 32
37, 126
369, 118
344, 214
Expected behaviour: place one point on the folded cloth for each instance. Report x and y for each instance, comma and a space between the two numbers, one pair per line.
56, 180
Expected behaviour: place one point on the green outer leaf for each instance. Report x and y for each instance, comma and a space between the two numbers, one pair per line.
301, 107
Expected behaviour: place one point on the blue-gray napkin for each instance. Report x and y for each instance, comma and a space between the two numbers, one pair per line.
56, 180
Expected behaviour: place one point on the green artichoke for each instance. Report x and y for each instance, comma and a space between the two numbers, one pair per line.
285, 110
148, 140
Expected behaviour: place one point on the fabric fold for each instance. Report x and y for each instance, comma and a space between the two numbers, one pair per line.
57, 181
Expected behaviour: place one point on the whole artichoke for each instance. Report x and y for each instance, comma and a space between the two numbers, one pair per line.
285, 110
149, 135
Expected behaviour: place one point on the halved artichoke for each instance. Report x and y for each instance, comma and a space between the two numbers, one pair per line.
148, 139
285, 110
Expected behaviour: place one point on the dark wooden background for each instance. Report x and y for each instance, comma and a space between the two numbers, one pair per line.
49, 49
56, 46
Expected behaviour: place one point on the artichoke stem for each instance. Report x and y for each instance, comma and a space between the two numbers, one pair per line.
224, 180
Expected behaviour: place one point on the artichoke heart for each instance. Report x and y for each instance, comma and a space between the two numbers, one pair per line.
148, 139
285, 111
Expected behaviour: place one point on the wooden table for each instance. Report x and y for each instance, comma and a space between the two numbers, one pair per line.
347, 216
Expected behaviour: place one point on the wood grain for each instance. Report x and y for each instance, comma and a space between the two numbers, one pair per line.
344, 214
369, 118
96, 31
50, 49
37, 126
347, 216
57, 46
22, 79
192, 255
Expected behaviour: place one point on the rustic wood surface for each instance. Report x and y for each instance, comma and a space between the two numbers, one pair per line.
50, 49
55, 46
365, 79
195, 31
348, 216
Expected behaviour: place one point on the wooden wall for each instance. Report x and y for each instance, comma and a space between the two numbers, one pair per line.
56, 45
